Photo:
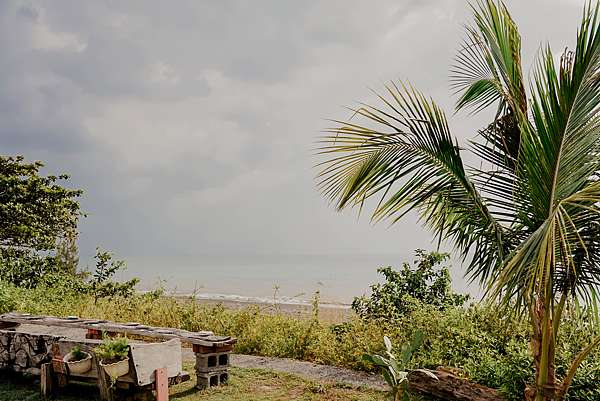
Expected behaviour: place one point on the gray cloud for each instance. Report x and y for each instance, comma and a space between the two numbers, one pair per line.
190, 124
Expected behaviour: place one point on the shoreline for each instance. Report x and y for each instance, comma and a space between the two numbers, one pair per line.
328, 312
242, 299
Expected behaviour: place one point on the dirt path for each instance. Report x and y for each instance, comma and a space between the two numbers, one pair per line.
313, 371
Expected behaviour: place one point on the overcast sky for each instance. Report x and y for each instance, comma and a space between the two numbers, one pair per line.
190, 124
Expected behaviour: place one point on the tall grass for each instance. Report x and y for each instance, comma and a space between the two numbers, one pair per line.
481, 344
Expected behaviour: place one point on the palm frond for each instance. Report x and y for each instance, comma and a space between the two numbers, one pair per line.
488, 65
488, 71
404, 152
557, 165
561, 145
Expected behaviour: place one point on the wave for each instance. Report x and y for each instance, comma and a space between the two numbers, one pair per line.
280, 300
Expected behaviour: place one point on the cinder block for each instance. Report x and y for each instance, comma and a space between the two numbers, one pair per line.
210, 362
212, 379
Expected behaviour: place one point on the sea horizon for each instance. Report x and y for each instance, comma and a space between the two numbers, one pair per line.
261, 278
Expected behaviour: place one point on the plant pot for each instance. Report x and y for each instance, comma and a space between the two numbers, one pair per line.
116, 369
78, 367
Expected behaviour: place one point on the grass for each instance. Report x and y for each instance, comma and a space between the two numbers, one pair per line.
244, 385
484, 344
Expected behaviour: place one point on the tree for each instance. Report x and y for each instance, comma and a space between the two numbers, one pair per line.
526, 217
101, 284
67, 253
427, 282
36, 212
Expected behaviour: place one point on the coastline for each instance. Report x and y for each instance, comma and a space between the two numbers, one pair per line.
328, 312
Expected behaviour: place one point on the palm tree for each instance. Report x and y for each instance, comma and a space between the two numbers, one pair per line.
526, 220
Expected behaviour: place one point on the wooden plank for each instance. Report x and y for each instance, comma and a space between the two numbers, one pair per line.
180, 378
162, 385
104, 384
147, 357
451, 388
56, 347
204, 338
47, 387
8, 325
200, 349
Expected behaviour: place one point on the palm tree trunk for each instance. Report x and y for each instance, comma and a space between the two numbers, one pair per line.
542, 347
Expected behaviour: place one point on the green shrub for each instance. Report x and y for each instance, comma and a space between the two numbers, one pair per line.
77, 354
102, 285
112, 350
7, 298
394, 366
427, 283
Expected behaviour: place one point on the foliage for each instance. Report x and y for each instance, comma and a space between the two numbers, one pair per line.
67, 253
34, 210
35, 213
77, 354
8, 301
101, 283
426, 283
396, 370
57, 287
528, 216
25, 267
487, 346
112, 349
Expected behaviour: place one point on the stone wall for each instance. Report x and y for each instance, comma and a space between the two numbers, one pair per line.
24, 352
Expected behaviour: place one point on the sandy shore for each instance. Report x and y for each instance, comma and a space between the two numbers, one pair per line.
332, 313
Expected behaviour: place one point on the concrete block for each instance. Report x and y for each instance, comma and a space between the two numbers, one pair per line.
211, 379
210, 362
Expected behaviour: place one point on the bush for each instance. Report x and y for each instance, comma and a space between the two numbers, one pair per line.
102, 285
427, 283
112, 350
7, 298
25, 268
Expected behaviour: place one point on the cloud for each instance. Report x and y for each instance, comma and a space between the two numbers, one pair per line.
191, 127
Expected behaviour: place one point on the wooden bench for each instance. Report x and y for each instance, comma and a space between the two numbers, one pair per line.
154, 366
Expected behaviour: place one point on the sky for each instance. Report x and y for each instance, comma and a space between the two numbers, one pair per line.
191, 125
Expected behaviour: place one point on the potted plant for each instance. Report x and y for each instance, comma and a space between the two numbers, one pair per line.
113, 355
78, 361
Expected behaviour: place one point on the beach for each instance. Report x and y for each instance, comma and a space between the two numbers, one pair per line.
328, 312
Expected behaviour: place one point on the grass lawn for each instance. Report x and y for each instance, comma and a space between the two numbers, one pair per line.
244, 384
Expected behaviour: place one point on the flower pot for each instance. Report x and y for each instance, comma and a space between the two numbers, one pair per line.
116, 369
78, 367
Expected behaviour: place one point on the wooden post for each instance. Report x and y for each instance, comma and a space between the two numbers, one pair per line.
47, 387
59, 371
104, 383
162, 384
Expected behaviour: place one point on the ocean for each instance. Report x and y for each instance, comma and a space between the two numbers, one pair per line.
259, 278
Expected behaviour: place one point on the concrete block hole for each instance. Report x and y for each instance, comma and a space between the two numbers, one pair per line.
212, 361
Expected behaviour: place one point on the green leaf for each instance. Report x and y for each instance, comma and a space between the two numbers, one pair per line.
388, 343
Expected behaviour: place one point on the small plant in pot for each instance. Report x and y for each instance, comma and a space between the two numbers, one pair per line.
78, 361
113, 355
